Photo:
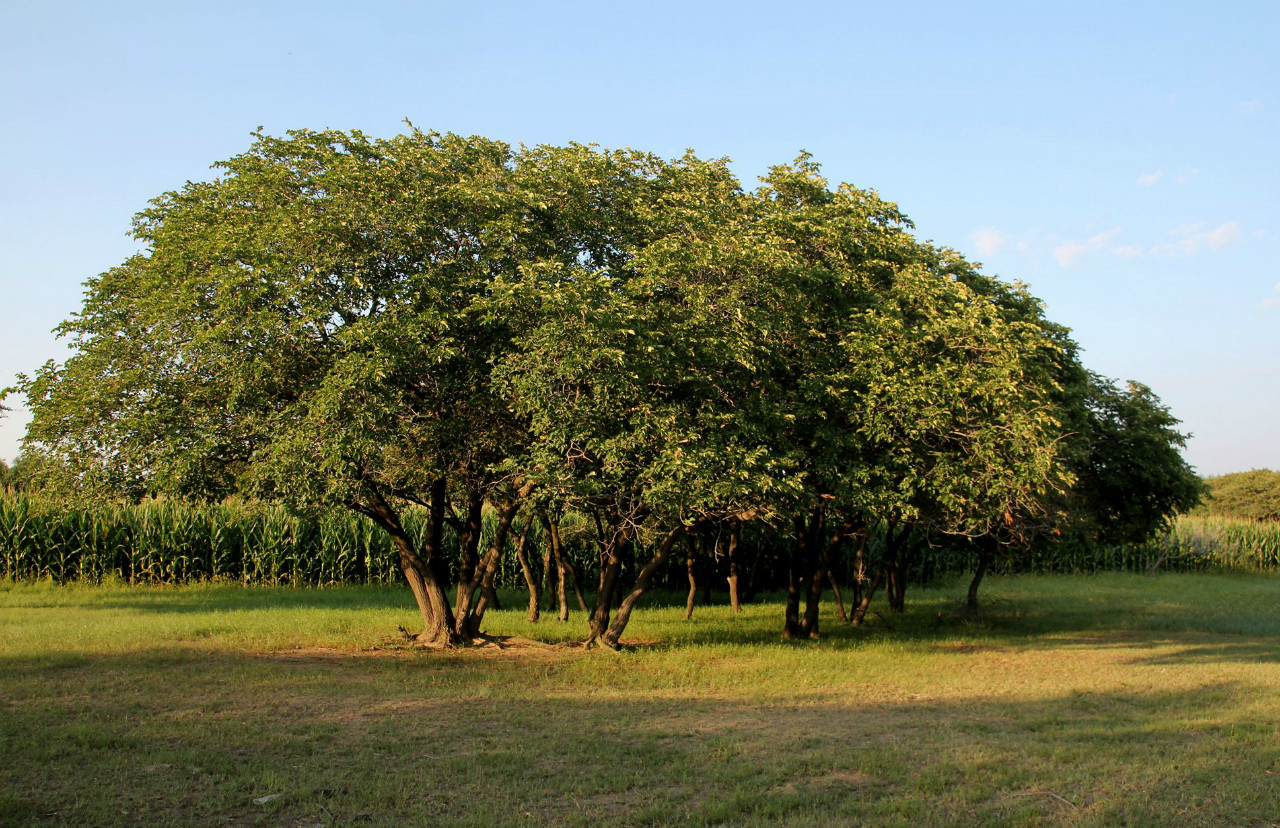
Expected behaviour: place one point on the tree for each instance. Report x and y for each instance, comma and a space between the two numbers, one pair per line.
441, 323
1131, 478
1251, 495
305, 328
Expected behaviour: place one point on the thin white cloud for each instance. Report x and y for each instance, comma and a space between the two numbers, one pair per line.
1147, 179
1273, 301
989, 241
1224, 236
1190, 239
1128, 251
1185, 178
1100, 241
1249, 107
1068, 253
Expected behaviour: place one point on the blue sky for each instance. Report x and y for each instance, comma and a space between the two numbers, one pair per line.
1119, 158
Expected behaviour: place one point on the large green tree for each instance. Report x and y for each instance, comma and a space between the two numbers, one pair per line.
445, 322
306, 328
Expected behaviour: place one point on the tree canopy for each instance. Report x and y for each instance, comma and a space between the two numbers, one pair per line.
444, 322
1252, 495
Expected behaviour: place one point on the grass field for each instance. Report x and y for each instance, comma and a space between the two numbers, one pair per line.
1089, 700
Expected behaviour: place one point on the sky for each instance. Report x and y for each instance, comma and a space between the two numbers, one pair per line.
1121, 159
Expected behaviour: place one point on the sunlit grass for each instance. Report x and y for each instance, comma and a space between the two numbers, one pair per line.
1091, 700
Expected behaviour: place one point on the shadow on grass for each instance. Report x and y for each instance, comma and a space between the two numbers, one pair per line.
163, 738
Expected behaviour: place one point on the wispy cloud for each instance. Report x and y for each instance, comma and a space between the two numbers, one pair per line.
1190, 239
988, 241
1249, 107
1129, 251
1068, 253
1273, 301
1147, 179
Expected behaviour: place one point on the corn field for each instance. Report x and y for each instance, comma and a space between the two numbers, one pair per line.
170, 541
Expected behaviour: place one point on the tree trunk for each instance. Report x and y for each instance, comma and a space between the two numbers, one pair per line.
530, 582
791, 627
693, 581
470, 541
643, 580
822, 571
572, 572
489, 567
611, 556
418, 569
548, 564
859, 571
984, 561
835, 589
556, 552
861, 612
895, 555
735, 537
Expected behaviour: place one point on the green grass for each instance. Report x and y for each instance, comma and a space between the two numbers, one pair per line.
1094, 700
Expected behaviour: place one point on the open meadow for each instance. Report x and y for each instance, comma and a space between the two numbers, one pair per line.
1104, 699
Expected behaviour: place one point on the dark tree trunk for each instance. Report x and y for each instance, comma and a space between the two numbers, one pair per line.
758, 563
548, 565
643, 580
859, 571
708, 570
791, 626
611, 556
896, 562
420, 570
735, 538
530, 582
822, 572
556, 559
693, 580
835, 589
489, 566
985, 553
861, 612
469, 540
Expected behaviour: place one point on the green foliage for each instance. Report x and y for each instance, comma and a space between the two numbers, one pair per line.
1124, 451
1251, 495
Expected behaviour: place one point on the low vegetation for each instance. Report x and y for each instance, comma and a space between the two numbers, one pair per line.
1252, 495
1141, 701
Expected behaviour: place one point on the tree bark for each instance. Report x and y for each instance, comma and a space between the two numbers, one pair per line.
548, 564
418, 569
735, 537
555, 551
643, 580
611, 557
984, 561
835, 589
895, 555
791, 627
693, 581
822, 572
861, 612
489, 566
469, 539
530, 582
